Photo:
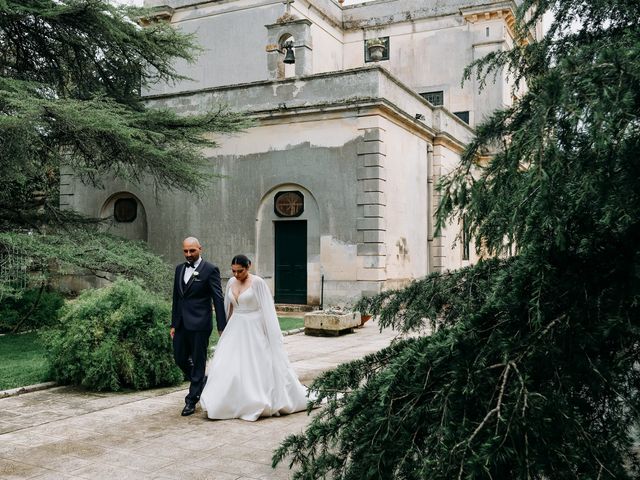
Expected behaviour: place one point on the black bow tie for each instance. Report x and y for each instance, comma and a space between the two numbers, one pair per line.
190, 264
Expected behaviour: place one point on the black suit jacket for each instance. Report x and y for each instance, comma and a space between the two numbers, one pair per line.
192, 301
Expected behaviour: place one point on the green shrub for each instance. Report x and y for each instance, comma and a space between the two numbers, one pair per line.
29, 310
113, 338
46, 257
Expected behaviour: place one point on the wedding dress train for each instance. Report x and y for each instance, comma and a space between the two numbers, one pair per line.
250, 375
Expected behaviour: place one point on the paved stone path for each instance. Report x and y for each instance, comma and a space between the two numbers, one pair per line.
65, 433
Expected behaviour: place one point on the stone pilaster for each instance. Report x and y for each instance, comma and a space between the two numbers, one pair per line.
437, 253
67, 189
372, 202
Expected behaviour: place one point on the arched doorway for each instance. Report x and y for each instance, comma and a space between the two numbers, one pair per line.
288, 244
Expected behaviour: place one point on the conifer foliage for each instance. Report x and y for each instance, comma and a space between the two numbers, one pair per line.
532, 369
71, 72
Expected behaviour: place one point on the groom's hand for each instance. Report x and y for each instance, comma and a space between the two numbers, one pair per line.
172, 332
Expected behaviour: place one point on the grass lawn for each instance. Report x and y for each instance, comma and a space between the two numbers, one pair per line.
290, 323
23, 361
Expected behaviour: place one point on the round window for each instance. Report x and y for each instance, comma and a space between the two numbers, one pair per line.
289, 204
125, 210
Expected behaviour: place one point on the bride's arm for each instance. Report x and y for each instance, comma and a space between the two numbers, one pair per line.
228, 306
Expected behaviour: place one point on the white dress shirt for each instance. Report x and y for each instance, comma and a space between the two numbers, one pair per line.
188, 271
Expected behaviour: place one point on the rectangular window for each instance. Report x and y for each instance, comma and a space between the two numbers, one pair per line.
434, 98
464, 116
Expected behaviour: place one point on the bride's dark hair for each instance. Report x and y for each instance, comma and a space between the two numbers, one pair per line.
241, 260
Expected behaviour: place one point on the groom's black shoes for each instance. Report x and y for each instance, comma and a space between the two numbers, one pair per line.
189, 409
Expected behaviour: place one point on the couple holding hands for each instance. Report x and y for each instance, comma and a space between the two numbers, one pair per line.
249, 375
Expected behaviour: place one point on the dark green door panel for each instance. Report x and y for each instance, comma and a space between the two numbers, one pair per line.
291, 262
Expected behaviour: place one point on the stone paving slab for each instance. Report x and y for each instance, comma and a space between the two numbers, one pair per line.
68, 433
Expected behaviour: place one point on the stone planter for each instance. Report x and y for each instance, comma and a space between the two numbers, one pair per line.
325, 323
376, 51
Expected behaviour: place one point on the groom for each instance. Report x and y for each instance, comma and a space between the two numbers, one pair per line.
196, 286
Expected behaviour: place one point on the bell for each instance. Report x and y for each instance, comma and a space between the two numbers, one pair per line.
289, 57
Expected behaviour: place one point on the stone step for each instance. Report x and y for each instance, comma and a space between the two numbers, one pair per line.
292, 307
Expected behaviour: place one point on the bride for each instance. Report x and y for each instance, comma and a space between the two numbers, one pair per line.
250, 375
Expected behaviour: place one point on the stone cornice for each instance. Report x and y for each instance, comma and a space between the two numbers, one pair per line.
296, 21
327, 9
381, 13
496, 11
161, 13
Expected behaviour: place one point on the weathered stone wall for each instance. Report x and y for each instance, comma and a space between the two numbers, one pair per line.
406, 236
349, 141
430, 43
233, 38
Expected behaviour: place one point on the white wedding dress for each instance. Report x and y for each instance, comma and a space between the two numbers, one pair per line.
250, 375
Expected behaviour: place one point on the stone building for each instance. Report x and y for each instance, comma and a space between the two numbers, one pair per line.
332, 193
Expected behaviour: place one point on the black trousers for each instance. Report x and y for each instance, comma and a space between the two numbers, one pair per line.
190, 350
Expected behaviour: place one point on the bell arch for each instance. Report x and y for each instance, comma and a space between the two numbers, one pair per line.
300, 31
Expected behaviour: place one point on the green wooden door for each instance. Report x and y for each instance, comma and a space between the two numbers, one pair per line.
291, 262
